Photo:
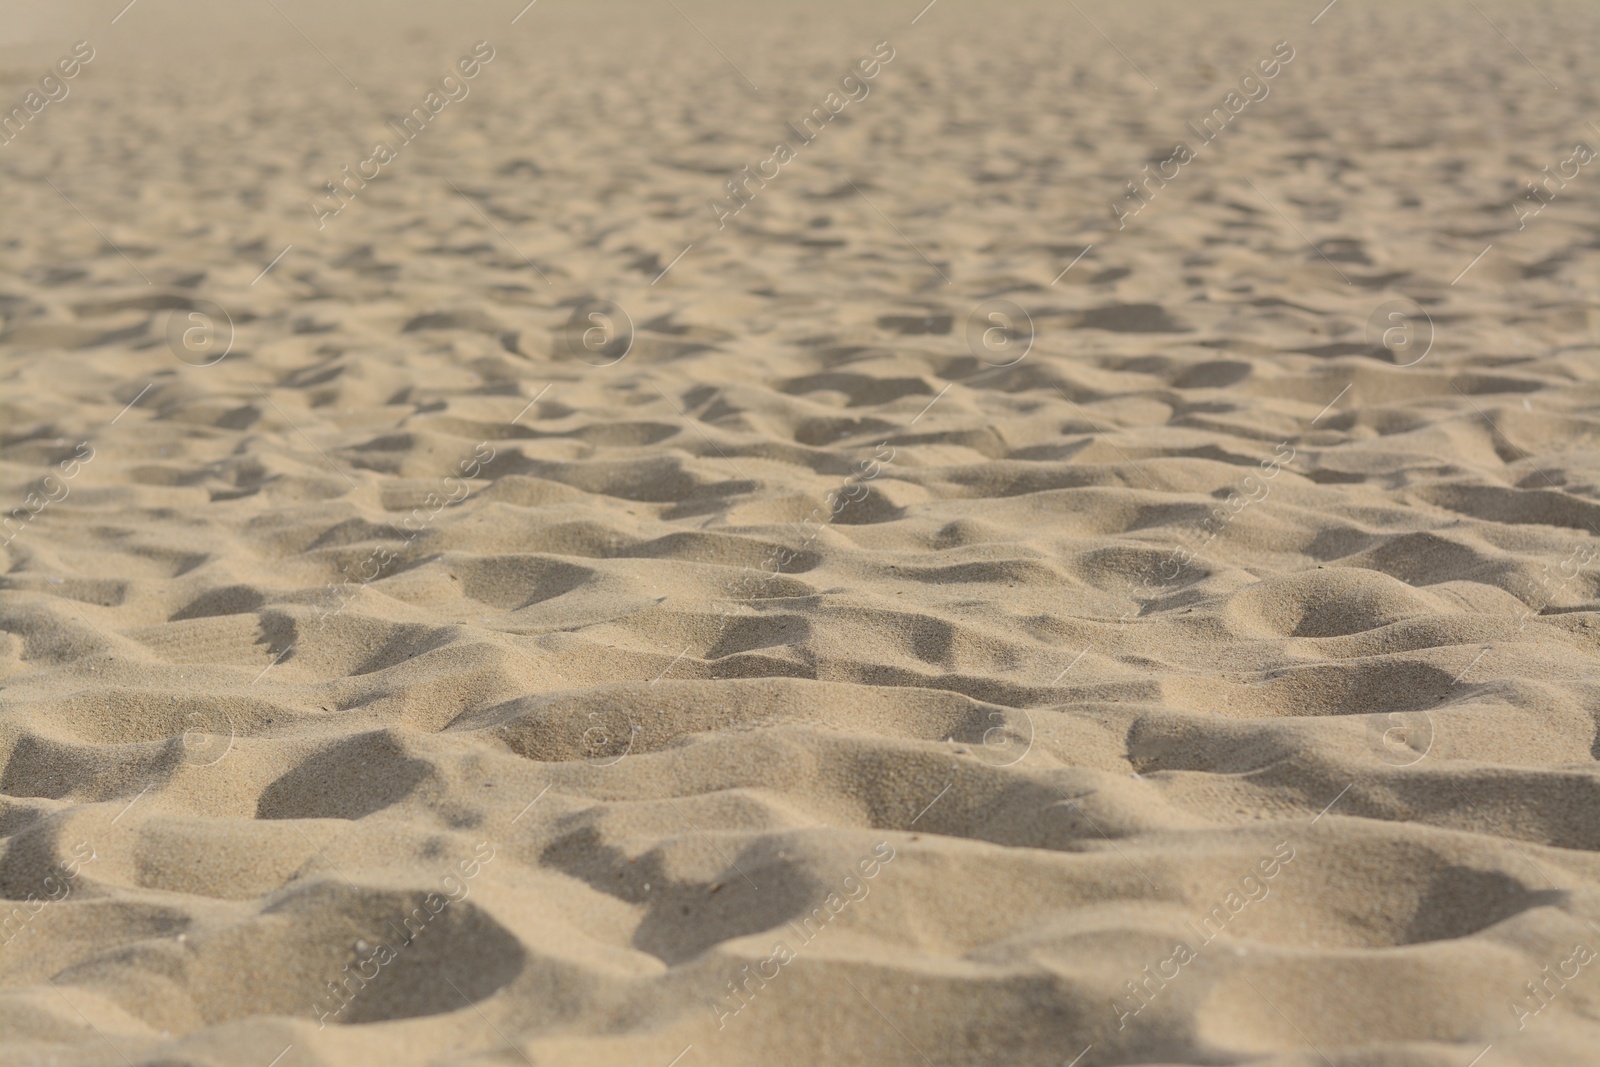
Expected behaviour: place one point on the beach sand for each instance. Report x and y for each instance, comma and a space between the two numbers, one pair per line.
923, 606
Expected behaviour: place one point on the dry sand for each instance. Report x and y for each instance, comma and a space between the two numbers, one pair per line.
798, 676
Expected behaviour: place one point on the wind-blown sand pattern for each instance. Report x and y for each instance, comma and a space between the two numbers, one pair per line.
1193, 664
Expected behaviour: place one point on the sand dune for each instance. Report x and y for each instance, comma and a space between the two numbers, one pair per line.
970, 587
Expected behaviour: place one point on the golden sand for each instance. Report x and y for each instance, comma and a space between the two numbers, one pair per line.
663, 533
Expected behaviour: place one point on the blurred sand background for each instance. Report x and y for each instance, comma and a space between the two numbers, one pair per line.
1212, 684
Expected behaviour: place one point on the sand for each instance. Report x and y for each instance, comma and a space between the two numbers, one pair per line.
924, 604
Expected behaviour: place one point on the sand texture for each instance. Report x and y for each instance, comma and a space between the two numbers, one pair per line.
925, 606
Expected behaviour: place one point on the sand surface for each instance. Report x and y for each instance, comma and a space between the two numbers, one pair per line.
532, 615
